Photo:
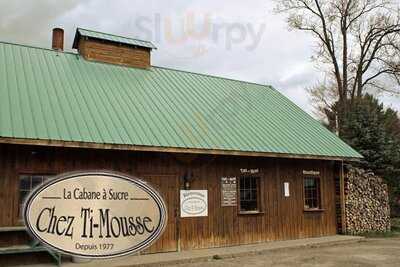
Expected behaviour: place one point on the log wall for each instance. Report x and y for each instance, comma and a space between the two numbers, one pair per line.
281, 217
108, 52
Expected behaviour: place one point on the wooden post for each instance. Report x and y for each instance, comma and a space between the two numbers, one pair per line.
342, 199
178, 233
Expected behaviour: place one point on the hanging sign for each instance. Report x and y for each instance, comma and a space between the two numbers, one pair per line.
228, 192
194, 203
95, 214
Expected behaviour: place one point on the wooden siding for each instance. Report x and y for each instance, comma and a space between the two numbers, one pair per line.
281, 218
108, 52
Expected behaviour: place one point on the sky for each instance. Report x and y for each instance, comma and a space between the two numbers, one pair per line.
236, 39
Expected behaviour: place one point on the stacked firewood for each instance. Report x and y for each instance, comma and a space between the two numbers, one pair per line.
367, 203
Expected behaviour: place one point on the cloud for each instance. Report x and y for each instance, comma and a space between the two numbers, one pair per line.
279, 58
30, 22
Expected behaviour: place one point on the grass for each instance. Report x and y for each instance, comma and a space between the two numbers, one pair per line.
387, 234
395, 231
396, 224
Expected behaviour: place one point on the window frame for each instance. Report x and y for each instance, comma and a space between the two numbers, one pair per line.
19, 202
318, 191
259, 195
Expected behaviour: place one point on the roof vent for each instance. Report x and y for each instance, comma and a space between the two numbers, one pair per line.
58, 39
113, 49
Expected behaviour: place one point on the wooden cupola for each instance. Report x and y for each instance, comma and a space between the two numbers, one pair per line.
113, 49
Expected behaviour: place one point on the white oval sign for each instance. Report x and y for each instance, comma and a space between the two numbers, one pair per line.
194, 205
95, 214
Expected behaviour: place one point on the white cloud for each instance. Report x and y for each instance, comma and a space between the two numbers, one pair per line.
281, 58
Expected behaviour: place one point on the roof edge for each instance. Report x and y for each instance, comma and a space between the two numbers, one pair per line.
38, 47
78, 33
142, 148
116, 35
214, 76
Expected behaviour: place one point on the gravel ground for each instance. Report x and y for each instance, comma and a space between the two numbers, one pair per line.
369, 252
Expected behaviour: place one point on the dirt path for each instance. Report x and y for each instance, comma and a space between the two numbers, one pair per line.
369, 252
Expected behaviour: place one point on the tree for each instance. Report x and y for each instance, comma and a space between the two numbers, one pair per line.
392, 123
373, 131
324, 99
358, 41
364, 129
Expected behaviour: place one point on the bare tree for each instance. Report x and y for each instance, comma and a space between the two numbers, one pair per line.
323, 98
358, 41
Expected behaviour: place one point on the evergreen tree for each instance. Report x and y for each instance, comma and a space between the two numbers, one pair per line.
375, 133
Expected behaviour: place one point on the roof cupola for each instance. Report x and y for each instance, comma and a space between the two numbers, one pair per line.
113, 49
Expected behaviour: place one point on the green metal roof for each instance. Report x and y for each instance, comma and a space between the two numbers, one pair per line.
110, 37
50, 95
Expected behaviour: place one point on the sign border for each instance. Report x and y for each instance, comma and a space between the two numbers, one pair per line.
110, 174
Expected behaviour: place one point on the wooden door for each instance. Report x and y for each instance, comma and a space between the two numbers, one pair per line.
168, 187
290, 207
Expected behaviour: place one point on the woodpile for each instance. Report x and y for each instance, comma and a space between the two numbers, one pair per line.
366, 202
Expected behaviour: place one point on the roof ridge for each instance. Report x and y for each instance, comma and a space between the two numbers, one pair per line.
153, 66
38, 47
136, 39
213, 76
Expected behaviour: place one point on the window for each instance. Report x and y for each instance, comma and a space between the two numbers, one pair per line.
312, 194
26, 184
249, 194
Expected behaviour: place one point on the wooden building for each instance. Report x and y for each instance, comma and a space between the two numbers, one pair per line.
271, 171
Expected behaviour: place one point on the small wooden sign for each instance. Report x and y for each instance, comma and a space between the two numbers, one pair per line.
228, 191
310, 172
249, 171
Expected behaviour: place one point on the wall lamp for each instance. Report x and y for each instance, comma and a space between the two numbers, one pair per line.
187, 179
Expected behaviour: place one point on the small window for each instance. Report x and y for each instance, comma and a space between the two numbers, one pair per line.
312, 193
26, 184
249, 194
